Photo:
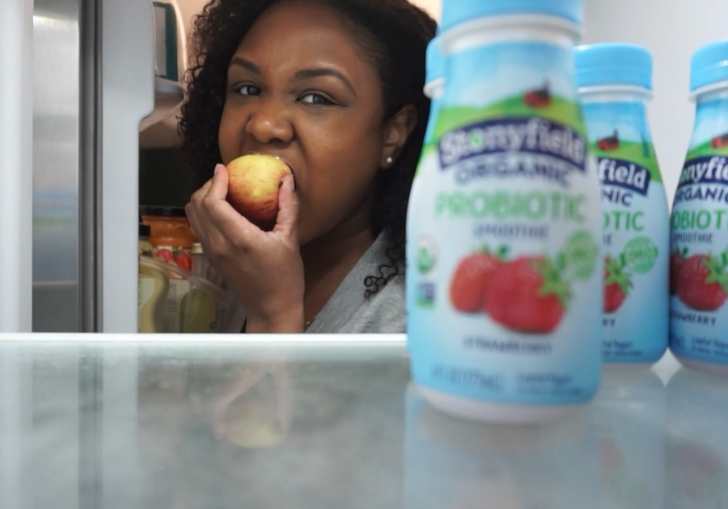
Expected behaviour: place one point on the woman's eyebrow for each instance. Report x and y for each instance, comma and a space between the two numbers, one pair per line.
245, 64
325, 71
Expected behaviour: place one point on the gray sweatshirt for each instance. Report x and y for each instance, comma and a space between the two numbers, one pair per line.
347, 311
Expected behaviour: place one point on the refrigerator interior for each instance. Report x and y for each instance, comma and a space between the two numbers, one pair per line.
92, 78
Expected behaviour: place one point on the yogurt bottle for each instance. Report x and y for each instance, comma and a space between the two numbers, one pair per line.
420, 254
504, 319
434, 89
699, 258
615, 83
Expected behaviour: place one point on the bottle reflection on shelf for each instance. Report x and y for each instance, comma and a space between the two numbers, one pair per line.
628, 416
697, 447
456, 464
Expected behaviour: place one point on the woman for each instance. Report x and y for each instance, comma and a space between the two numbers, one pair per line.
334, 89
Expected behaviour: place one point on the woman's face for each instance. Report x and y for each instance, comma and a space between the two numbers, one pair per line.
300, 88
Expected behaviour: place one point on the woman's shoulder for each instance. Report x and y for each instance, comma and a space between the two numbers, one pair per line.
350, 311
382, 313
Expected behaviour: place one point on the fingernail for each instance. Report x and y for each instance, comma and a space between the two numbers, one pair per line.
217, 168
292, 183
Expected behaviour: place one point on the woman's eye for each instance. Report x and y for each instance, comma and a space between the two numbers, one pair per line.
315, 99
248, 90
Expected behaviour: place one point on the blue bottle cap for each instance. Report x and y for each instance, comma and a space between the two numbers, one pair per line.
455, 12
435, 62
709, 65
613, 64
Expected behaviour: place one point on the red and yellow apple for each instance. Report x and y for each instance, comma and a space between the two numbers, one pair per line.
253, 186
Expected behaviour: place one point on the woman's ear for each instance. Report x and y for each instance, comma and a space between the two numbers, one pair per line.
396, 133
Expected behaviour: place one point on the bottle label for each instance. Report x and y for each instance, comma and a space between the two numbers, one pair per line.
699, 258
636, 229
504, 269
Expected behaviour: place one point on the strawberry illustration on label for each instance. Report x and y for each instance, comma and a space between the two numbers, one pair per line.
183, 260
471, 279
703, 282
609, 143
617, 284
677, 260
539, 98
528, 295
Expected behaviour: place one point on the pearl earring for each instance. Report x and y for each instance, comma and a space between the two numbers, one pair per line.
389, 161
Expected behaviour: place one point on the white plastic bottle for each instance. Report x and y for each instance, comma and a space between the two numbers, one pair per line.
419, 249
615, 83
699, 259
504, 319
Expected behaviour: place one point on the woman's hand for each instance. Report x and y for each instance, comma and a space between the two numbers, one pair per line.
264, 269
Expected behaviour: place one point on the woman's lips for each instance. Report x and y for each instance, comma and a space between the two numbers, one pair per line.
283, 159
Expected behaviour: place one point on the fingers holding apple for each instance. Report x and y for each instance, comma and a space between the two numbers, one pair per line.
288, 208
215, 223
247, 227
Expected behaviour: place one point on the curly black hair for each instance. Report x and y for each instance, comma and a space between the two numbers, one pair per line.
393, 33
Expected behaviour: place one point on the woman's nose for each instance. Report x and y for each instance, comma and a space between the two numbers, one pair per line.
269, 123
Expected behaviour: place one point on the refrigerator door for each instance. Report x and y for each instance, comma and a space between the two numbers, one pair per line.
57, 191
127, 88
16, 130
93, 82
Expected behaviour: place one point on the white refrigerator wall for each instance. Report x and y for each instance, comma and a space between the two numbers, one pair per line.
16, 165
431, 6
672, 30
